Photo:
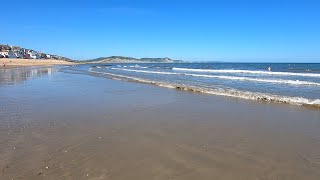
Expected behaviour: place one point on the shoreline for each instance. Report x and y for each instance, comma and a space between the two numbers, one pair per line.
14, 63
80, 126
235, 94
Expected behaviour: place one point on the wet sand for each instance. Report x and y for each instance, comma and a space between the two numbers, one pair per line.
73, 126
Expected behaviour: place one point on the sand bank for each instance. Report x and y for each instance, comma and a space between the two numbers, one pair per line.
76, 126
31, 62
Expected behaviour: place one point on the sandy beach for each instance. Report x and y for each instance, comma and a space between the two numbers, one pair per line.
11, 63
57, 125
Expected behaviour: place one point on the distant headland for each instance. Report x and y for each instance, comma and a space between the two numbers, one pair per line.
122, 59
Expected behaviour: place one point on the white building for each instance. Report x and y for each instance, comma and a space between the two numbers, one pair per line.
12, 54
4, 53
30, 55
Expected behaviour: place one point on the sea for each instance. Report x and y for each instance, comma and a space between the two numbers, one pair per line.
289, 83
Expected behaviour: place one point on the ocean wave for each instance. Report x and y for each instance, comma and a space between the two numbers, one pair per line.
272, 73
237, 78
257, 96
133, 66
277, 81
137, 66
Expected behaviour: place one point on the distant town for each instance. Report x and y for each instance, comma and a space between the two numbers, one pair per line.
16, 52
8, 51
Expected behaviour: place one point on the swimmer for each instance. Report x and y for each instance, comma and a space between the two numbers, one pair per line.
269, 68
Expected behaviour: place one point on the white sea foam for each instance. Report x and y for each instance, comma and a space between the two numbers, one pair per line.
137, 66
277, 81
248, 72
225, 92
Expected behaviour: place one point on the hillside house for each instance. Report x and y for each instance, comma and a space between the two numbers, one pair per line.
38, 56
3, 54
12, 54
4, 48
30, 55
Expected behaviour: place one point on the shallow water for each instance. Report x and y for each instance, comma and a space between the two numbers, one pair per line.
15, 76
297, 84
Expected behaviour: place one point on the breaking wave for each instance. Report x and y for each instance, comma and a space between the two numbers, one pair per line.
135, 66
223, 92
248, 72
277, 81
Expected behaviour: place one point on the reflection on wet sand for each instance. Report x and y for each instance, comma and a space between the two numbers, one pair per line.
19, 75
76, 126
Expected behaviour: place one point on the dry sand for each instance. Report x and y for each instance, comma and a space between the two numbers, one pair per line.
31, 62
75, 126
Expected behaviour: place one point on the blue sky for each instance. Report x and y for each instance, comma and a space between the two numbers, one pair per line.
194, 30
